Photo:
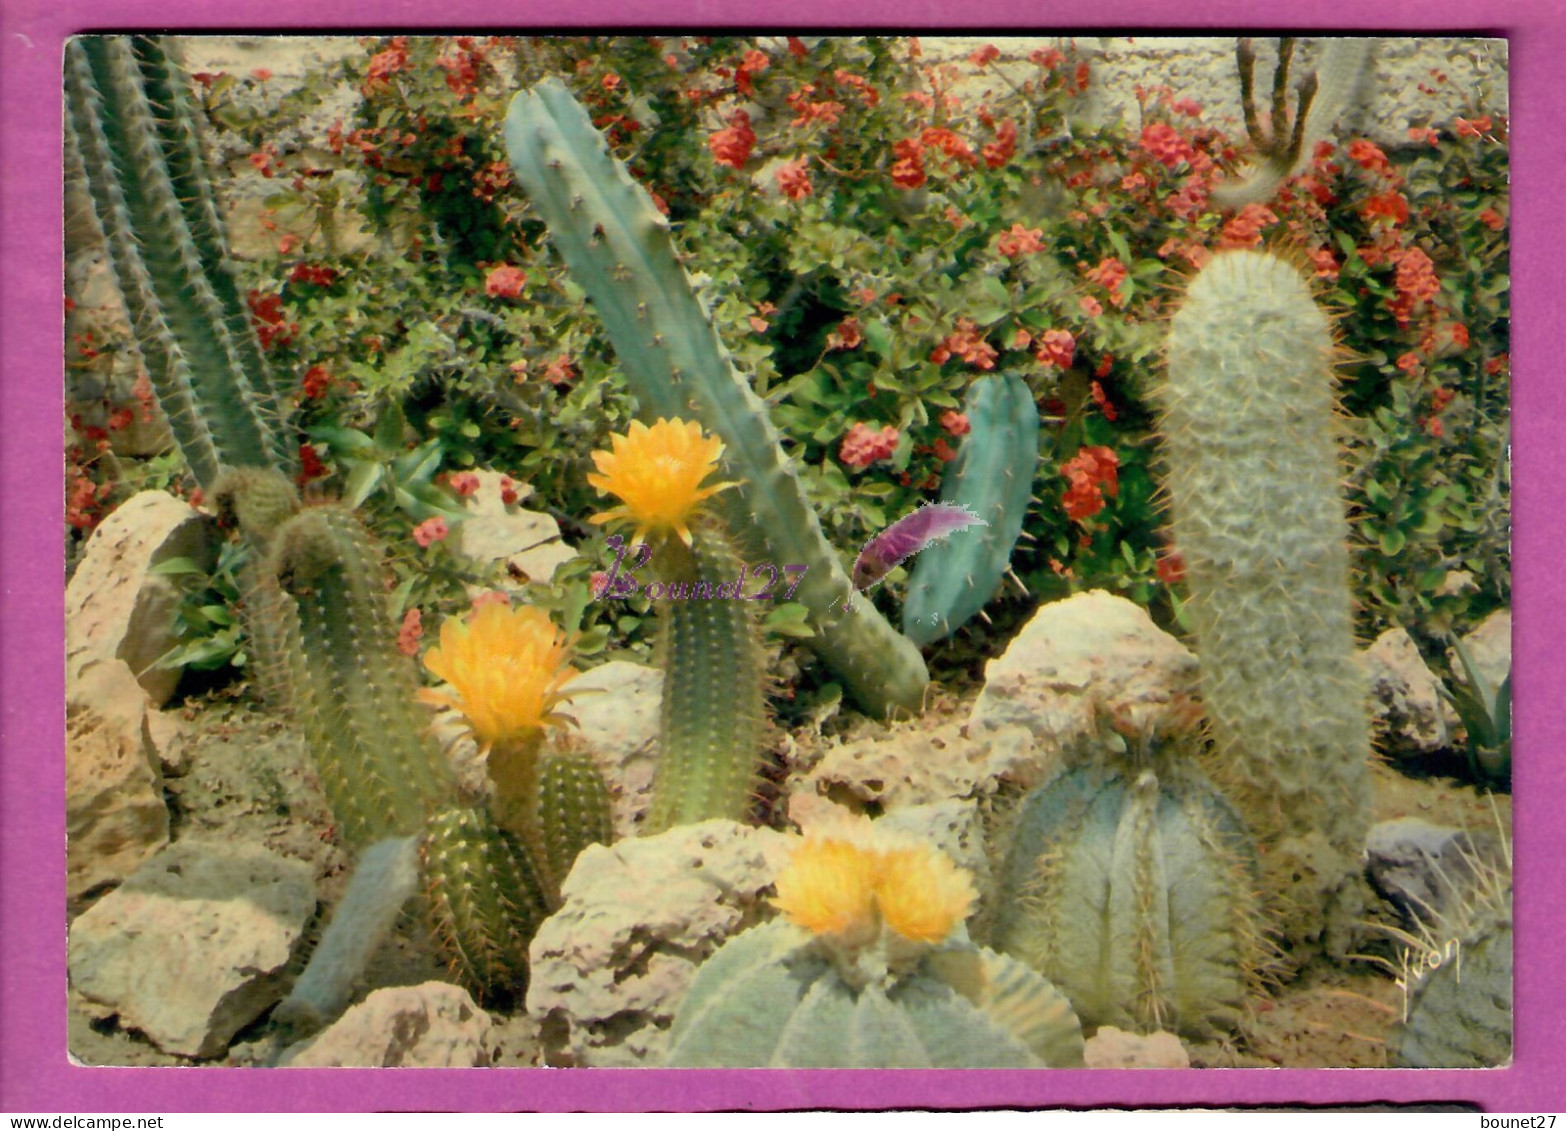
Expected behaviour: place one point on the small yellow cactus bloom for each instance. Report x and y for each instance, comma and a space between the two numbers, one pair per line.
923, 894
848, 891
507, 669
656, 473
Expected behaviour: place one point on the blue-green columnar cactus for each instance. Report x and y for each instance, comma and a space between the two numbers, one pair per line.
133, 140
993, 478
1256, 509
617, 246
1135, 891
871, 969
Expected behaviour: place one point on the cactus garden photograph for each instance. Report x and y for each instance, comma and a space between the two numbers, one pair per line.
782, 551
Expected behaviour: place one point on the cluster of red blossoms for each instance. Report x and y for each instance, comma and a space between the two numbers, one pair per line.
732, 146
272, 327
862, 446
967, 343
1094, 473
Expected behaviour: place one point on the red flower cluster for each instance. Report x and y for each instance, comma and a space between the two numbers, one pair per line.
266, 311
792, 179
430, 531
313, 274
1166, 144
732, 146
862, 447
1101, 399
967, 343
753, 64
410, 633
984, 55
1056, 347
505, 282
996, 153
1109, 274
1019, 241
463, 483
1416, 283
1094, 472
847, 336
1472, 127
956, 423
316, 382
1244, 230
310, 466
1389, 206
808, 112
908, 169
1368, 156
386, 63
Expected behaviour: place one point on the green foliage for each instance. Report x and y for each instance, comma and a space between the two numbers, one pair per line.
1486, 713
772, 998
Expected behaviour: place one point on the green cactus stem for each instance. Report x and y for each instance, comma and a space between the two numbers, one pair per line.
573, 812
617, 246
773, 998
713, 714
352, 690
1253, 473
132, 138
1136, 897
993, 477
486, 899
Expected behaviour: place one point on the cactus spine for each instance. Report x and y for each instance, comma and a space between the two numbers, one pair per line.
617, 246
132, 137
993, 477
1256, 511
1136, 895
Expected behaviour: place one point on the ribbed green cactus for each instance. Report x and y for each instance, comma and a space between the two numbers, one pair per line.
774, 998
132, 138
573, 810
617, 246
1257, 513
1135, 892
714, 709
1456, 975
993, 477
352, 690
486, 899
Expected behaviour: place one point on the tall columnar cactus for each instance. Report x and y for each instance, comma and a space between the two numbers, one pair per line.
993, 478
353, 692
132, 138
872, 969
1135, 891
616, 244
1256, 509
713, 711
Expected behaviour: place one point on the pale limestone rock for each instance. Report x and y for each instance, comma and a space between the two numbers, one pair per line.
1490, 648
618, 709
1406, 707
1089, 653
115, 817
115, 607
493, 531
1115, 1048
193, 946
609, 969
435, 1025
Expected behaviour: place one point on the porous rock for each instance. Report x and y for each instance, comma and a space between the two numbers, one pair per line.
1420, 867
1090, 653
1406, 707
527, 541
434, 1025
617, 708
115, 816
1115, 1048
1489, 646
609, 969
193, 946
115, 606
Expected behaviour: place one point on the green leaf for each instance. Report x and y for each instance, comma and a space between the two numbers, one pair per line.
789, 619
175, 567
362, 482
1392, 542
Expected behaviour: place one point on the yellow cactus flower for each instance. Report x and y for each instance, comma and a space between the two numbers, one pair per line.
848, 891
507, 669
828, 888
922, 893
656, 474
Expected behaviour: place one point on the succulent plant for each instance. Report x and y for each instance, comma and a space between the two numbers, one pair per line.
617, 246
1486, 712
1256, 510
1131, 884
993, 478
871, 968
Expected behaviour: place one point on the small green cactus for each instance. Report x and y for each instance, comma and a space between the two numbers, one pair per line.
872, 969
573, 812
1135, 892
993, 478
617, 246
1256, 508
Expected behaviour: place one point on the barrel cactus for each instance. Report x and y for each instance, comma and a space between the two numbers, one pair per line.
1131, 883
870, 967
1256, 509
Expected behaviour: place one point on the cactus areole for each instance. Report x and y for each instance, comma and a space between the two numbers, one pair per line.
1252, 473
